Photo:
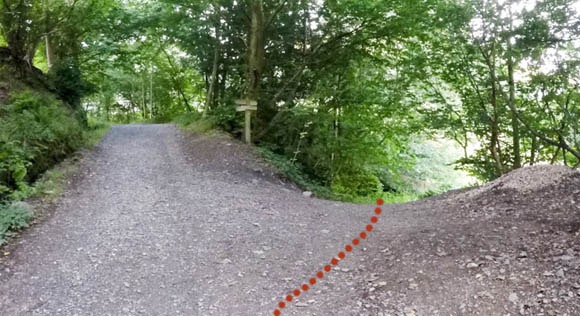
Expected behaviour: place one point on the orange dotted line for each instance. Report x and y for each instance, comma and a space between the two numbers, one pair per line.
342, 254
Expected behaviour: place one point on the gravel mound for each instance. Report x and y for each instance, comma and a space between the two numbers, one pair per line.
524, 180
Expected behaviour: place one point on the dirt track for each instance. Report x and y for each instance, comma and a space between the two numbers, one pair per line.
160, 223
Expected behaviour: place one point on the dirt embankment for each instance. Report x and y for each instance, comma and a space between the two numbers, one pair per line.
511, 247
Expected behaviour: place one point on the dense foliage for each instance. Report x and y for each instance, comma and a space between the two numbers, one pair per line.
343, 86
36, 132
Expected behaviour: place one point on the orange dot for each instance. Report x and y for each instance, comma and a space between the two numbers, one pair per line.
320, 274
297, 292
334, 261
348, 248
327, 268
374, 219
378, 211
282, 305
341, 255
363, 235
289, 298
369, 228
355, 241
313, 281
277, 313
380, 202
305, 287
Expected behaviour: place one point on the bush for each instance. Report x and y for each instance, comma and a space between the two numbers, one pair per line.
294, 173
362, 184
12, 218
36, 132
225, 117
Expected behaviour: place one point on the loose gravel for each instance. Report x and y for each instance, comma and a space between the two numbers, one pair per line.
157, 222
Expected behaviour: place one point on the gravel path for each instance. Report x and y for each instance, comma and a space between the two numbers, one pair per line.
161, 223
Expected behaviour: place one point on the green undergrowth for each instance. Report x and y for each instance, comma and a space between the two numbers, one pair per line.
95, 131
295, 174
194, 122
51, 184
36, 132
47, 188
46, 185
13, 218
388, 197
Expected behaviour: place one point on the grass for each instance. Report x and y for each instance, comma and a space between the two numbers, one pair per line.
195, 123
200, 126
95, 132
388, 197
51, 185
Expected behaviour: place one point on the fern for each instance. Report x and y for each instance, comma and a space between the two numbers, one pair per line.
36, 131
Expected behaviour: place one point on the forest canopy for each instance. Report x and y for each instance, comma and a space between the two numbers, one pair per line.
345, 89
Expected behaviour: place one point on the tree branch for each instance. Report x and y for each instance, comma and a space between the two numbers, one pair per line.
276, 12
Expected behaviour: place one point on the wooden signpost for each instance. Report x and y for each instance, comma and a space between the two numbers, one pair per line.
247, 105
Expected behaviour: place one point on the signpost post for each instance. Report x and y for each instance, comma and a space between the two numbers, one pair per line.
247, 106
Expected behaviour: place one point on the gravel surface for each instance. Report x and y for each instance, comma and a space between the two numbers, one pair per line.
157, 222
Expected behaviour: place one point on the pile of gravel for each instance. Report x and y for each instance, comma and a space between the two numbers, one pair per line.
525, 180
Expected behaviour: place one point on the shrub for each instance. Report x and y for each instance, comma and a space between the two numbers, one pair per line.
294, 172
36, 131
12, 218
359, 184
224, 117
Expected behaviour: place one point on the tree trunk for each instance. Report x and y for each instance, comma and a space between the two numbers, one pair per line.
15, 28
255, 60
515, 124
512, 104
564, 157
49, 52
495, 130
533, 150
49, 49
150, 92
143, 102
210, 100
256, 50
222, 82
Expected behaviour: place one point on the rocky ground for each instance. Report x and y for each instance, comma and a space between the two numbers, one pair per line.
157, 222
